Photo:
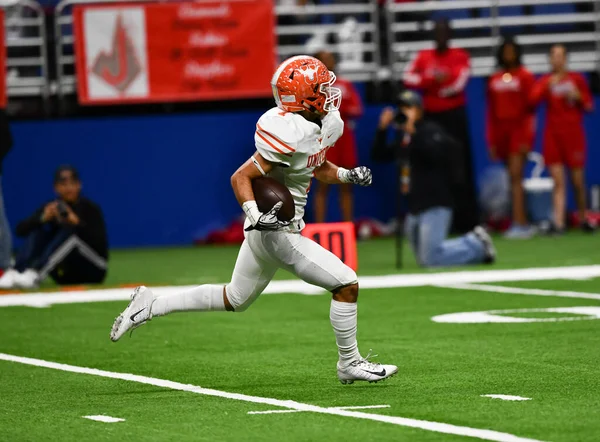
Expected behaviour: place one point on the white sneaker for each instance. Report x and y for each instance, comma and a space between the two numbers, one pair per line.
7, 281
488, 244
29, 279
138, 312
363, 370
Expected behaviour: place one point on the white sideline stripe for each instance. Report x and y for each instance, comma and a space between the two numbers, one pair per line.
102, 418
355, 407
42, 299
520, 291
402, 421
506, 397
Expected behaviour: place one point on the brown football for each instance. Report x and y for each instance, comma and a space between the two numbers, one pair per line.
268, 192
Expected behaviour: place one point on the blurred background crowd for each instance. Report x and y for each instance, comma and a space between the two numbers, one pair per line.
512, 84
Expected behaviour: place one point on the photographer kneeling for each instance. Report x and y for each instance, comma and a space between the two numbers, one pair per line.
426, 150
65, 238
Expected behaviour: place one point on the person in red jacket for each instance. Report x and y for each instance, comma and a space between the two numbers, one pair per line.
344, 153
510, 126
567, 97
441, 74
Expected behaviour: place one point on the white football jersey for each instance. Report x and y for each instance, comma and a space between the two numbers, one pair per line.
298, 147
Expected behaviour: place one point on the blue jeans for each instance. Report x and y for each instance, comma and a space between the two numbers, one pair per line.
5, 236
40, 245
427, 233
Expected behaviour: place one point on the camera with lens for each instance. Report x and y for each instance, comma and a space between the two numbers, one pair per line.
400, 117
63, 211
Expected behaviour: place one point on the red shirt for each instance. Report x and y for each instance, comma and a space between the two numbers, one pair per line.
563, 111
351, 107
448, 92
508, 95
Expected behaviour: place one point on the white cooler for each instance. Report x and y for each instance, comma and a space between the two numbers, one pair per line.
538, 193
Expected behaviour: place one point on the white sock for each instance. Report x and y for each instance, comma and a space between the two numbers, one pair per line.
203, 298
343, 317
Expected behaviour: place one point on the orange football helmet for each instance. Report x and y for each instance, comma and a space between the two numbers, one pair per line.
304, 83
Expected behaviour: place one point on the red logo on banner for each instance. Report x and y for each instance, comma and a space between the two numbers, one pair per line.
120, 66
174, 51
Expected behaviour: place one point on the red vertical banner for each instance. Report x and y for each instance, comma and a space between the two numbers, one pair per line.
174, 51
3, 92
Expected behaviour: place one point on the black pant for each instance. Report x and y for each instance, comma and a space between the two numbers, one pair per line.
466, 211
57, 251
76, 269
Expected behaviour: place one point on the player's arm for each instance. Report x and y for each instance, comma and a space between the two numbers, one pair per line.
458, 78
241, 182
583, 94
414, 76
331, 174
539, 91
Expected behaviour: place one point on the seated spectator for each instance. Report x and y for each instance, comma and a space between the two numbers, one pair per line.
429, 153
65, 238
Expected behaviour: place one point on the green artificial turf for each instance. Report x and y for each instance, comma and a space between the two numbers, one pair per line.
376, 257
283, 348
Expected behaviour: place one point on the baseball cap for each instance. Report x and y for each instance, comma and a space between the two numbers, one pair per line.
410, 98
64, 172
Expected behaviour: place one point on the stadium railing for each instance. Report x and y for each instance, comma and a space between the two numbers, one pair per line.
353, 30
346, 29
479, 25
350, 30
26, 50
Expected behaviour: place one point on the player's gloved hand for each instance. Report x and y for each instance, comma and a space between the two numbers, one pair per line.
359, 175
263, 221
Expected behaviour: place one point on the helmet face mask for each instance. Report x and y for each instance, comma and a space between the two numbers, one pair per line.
304, 83
333, 95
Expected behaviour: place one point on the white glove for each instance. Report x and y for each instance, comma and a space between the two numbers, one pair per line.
359, 175
263, 221
332, 128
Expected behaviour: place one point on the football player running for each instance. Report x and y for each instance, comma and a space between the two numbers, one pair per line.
291, 142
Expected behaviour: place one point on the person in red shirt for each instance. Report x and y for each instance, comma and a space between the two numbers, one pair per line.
441, 74
510, 126
344, 153
567, 97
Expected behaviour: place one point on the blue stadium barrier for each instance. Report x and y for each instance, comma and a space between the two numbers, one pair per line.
162, 179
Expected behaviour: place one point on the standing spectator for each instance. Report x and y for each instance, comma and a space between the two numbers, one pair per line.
344, 153
65, 238
5, 235
511, 126
441, 74
568, 97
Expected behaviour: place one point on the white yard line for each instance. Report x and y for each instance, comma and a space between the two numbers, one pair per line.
506, 397
293, 405
443, 279
354, 407
102, 418
520, 291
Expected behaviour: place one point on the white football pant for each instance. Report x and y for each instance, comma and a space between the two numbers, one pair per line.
263, 252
